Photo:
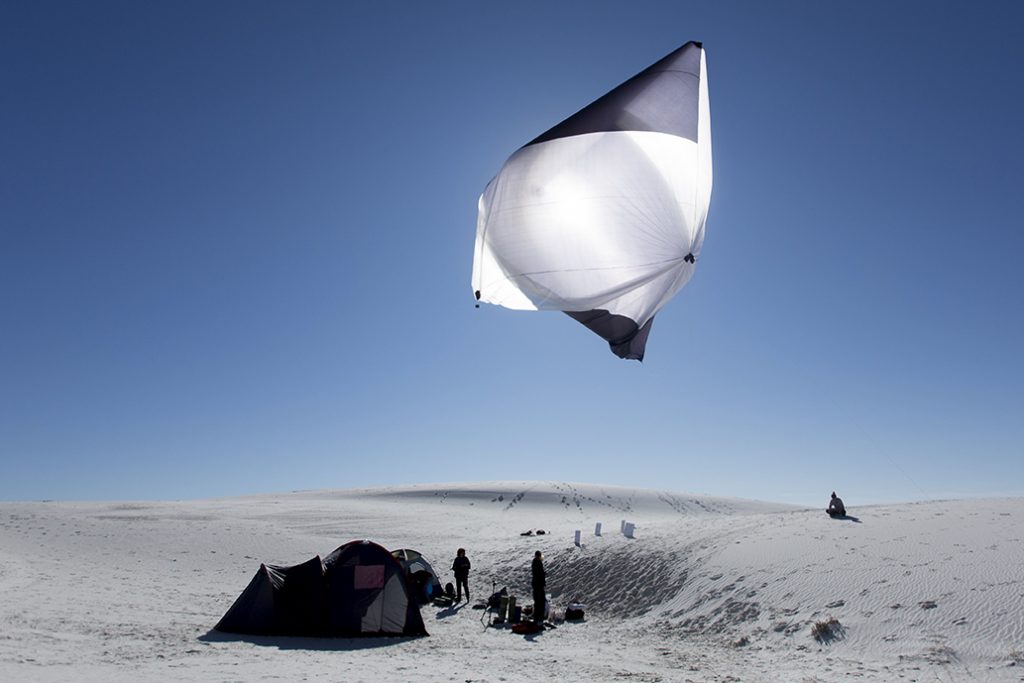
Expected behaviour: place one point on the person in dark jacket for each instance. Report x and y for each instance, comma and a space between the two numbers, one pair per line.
836, 507
539, 586
461, 568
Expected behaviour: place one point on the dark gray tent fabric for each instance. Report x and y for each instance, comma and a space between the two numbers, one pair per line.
622, 334
424, 579
660, 99
359, 589
368, 593
253, 611
281, 601
300, 600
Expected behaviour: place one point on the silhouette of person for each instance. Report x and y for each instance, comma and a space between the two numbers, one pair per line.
836, 507
461, 568
539, 585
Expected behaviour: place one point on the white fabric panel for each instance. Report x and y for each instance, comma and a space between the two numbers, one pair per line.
596, 221
373, 618
704, 171
396, 603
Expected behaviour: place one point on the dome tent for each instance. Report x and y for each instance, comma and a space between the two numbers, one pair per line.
424, 578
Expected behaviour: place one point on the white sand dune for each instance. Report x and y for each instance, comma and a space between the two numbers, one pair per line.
711, 589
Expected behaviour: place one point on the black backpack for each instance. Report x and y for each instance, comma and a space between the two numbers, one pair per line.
494, 602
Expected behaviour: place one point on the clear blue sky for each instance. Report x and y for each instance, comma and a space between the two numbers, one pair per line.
236, 242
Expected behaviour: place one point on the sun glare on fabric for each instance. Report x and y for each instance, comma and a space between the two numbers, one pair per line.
574, 210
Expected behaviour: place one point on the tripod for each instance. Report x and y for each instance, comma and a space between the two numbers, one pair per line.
487, 617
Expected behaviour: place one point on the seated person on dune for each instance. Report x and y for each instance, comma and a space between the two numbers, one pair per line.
836, 507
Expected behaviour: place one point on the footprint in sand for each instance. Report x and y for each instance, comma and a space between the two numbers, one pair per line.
519, 496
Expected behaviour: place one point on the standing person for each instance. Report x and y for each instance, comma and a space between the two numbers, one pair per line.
461, 568
539, 585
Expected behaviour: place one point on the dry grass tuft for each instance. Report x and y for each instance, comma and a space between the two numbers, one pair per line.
827, 631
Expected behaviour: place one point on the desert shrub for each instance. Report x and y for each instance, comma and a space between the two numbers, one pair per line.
827, 631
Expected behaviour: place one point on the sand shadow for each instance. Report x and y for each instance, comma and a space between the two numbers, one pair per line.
848, 518
305, 642
533, 636
450, 611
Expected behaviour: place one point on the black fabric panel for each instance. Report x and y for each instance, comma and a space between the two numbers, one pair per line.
253, 610
301, 601
414, 625
625, 338
284, 601
347, 605
662, 98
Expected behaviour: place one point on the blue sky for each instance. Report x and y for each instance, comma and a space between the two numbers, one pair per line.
236, 242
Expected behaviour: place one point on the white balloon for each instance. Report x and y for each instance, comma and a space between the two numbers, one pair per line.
602, 217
